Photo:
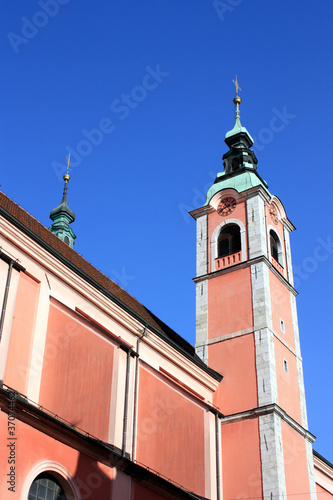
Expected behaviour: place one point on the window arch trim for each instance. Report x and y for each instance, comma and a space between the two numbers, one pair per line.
61, 474
215, 237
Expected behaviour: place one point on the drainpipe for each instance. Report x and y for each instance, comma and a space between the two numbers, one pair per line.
136, 386
218, 462
5, 298
128, 366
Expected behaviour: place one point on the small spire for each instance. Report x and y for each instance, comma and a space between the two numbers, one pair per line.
66, 176
238, 131
237, 100
239, 141
62, 216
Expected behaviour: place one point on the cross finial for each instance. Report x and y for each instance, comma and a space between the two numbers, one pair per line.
236, 85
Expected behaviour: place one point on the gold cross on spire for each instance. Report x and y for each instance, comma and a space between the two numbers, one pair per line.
236, 85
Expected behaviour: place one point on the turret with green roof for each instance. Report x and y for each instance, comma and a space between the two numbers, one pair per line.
240, 162
62, 216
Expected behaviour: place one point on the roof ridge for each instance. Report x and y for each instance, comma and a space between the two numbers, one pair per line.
74, 258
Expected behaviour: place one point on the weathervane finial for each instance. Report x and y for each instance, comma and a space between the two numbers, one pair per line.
237, 100
236, 85
66, 176
68, 158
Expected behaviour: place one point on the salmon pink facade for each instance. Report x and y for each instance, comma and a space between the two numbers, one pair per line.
101, 400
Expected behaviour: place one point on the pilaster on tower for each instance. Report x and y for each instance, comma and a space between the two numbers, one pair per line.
246, 320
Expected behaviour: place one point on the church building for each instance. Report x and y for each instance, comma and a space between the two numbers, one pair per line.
100, 399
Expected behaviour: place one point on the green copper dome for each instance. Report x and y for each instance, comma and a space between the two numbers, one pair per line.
63, 207
62, 217
242, 181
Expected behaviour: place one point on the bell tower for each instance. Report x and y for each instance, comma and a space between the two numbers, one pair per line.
246, 328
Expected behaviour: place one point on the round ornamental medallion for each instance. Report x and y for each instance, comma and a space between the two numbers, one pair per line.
273, 214
226, 206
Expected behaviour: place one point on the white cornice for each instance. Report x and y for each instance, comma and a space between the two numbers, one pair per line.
198, 212
257, 190
264, 410
324, 468
244, 264
323, 474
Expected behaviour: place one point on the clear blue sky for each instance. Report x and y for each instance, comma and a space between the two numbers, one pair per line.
155, 77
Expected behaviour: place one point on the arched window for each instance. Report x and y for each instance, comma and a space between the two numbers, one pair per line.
229, 240
274, 240
276, 248
46, 487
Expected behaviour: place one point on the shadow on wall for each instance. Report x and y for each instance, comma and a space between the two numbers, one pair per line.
92, 480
